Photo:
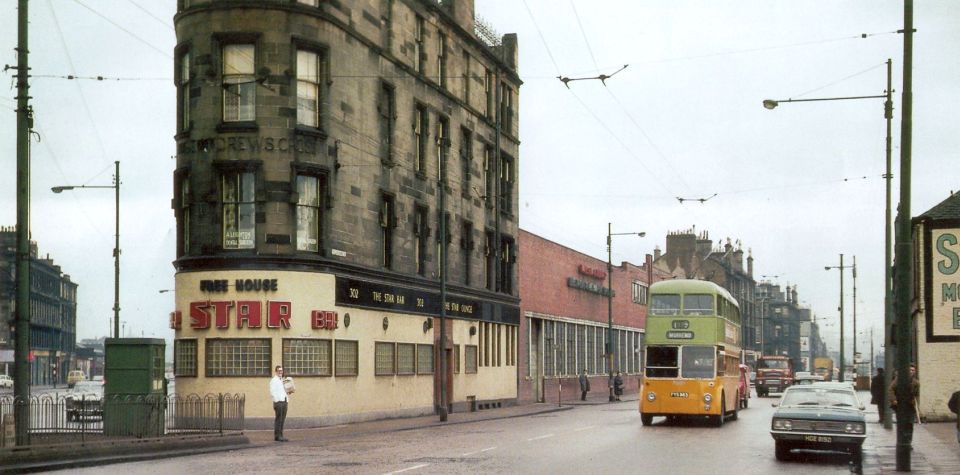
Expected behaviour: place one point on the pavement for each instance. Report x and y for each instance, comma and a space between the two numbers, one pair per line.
936, 450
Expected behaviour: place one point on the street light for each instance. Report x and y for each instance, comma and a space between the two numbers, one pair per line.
841, 267
116, 247
610, 305
887, 274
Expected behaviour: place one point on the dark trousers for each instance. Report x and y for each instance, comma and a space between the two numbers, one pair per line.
583, 395
280, 409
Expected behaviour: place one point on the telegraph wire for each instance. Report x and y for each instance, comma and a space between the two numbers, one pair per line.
96, 78
83, 97
151, 15
145, 42
841, 80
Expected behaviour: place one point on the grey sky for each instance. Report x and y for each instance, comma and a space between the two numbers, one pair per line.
797, 185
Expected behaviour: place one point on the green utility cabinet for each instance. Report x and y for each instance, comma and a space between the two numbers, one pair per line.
135, 387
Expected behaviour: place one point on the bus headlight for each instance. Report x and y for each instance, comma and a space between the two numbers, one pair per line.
651, 396
707, 398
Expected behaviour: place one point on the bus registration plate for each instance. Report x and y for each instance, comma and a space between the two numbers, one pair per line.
679, 394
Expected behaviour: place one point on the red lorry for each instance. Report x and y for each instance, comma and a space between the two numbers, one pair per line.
774, 374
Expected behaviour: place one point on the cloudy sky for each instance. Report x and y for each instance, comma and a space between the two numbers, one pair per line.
797, 185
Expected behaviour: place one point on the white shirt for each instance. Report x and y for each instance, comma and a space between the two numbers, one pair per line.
277, 393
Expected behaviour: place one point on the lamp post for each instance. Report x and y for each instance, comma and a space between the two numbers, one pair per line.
841, 267
610, 305
888, 240
116, 247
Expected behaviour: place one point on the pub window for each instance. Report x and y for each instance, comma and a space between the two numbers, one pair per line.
561, 351
388, 221
571, 345
386, 117
346, 358
306, 357
238, 357
421, 232
184, 357
406, 358
424, 359
456, 359
239, 209
385, 358
309, 64
183, 91
420, 124
581, 348
419, 53
239, 83
309, 198
442, 60
312, 3
470, 359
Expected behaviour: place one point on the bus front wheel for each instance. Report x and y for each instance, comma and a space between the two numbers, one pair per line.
718, 419
646, 419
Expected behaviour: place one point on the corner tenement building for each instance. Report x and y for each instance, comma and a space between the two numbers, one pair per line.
321, 147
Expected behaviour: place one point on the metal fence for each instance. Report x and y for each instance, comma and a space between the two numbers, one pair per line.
62, 419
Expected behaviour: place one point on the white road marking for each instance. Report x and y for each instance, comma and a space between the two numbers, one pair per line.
477, 452
540, 437
409, 468
583, 428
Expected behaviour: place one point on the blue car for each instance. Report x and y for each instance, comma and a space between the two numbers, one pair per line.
819, 416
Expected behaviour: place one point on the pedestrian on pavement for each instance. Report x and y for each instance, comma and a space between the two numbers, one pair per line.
618, 385
911, 404
280, 398
953, 405
584, 385
877, 392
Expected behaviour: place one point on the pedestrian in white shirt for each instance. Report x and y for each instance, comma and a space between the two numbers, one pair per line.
280, 398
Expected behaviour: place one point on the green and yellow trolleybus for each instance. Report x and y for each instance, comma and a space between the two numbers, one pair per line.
693, 344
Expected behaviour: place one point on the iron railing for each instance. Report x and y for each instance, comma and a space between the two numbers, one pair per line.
62, 419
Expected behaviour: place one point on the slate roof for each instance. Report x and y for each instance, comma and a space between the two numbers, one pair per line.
947, 209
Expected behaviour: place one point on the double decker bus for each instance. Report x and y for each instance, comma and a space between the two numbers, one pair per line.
693, 345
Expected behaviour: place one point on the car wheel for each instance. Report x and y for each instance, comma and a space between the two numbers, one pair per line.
646, 419
783, 451
746, 402
736, 411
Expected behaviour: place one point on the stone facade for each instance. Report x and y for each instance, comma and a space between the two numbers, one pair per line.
337, 139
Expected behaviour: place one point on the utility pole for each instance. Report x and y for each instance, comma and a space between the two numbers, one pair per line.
21, 381
904, 255
887, 271
441, 186
855, 336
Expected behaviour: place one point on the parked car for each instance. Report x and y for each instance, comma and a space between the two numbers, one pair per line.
75, 376
821, 416
85, 399
804, 377
6, 381
743, 389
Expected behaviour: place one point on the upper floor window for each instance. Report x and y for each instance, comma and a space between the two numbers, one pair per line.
466, 156
420, 233
506, 184
466, 76
308, 88
388, 221
488, 175
442, 60
489, 92
239, 209
639, 292
184, 202
239, 83
309, 215
443, 146
386, 116
420, 54
183, 91
506, 108
420, 123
